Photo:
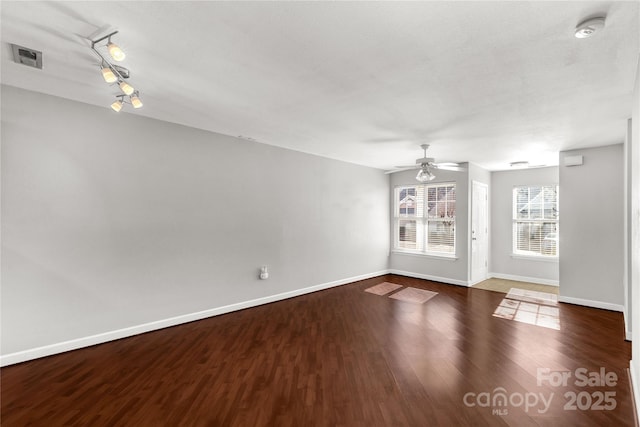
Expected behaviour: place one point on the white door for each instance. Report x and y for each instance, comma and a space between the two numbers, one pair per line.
479, 233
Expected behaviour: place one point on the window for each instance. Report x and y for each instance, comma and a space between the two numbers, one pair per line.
535, 220
425, 219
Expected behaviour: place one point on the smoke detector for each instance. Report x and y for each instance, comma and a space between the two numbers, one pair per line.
27, 56
589, 27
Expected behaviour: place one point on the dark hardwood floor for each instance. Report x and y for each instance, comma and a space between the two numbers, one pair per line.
339, 357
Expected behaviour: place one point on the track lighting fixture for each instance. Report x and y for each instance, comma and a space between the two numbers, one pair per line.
116, 74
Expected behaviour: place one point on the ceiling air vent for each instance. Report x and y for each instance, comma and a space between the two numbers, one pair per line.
26, 56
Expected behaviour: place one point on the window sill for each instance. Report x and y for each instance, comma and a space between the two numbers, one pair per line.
536, 258
444, 257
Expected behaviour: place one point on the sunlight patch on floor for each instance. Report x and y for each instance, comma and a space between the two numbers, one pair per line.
531, 307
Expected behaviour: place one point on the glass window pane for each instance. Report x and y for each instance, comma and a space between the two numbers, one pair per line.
441, 236
550, 239
441, 202
549, 212
535, 209
432, 194
537, 238
522, 211
406, 201
435, 209
550, 193
432, 211
522, 195
451, 209
528, 240
407, 234
534, 192
550, 202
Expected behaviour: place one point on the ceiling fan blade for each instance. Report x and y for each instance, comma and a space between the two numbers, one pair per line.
447, 164
448, 167
401, 169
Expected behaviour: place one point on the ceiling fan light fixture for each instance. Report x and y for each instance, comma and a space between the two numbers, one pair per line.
425, 175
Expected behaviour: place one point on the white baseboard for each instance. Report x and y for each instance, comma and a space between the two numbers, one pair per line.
627, 332
635, 390
539, 281
430, 277
591, 303
48, 350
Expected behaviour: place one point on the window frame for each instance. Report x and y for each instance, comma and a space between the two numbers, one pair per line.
422, 221
517, 253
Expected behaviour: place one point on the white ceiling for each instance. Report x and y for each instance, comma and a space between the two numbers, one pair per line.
364, 82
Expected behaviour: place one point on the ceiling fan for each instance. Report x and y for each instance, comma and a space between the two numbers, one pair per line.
426, 166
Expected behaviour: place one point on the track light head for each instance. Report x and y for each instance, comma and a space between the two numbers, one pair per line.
108, 75
117, 106
114, 50
135, 100
126, 88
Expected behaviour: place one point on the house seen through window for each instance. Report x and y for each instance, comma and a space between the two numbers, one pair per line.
535, 220
424, 219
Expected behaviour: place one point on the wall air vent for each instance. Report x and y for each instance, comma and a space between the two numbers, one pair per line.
26, 56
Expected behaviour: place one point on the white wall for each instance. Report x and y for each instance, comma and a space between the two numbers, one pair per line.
114, 220
628, 226
591, 227
502, 262
634, 256
453, 271
476, 173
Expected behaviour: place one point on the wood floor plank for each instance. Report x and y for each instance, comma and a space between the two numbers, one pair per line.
339, 357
